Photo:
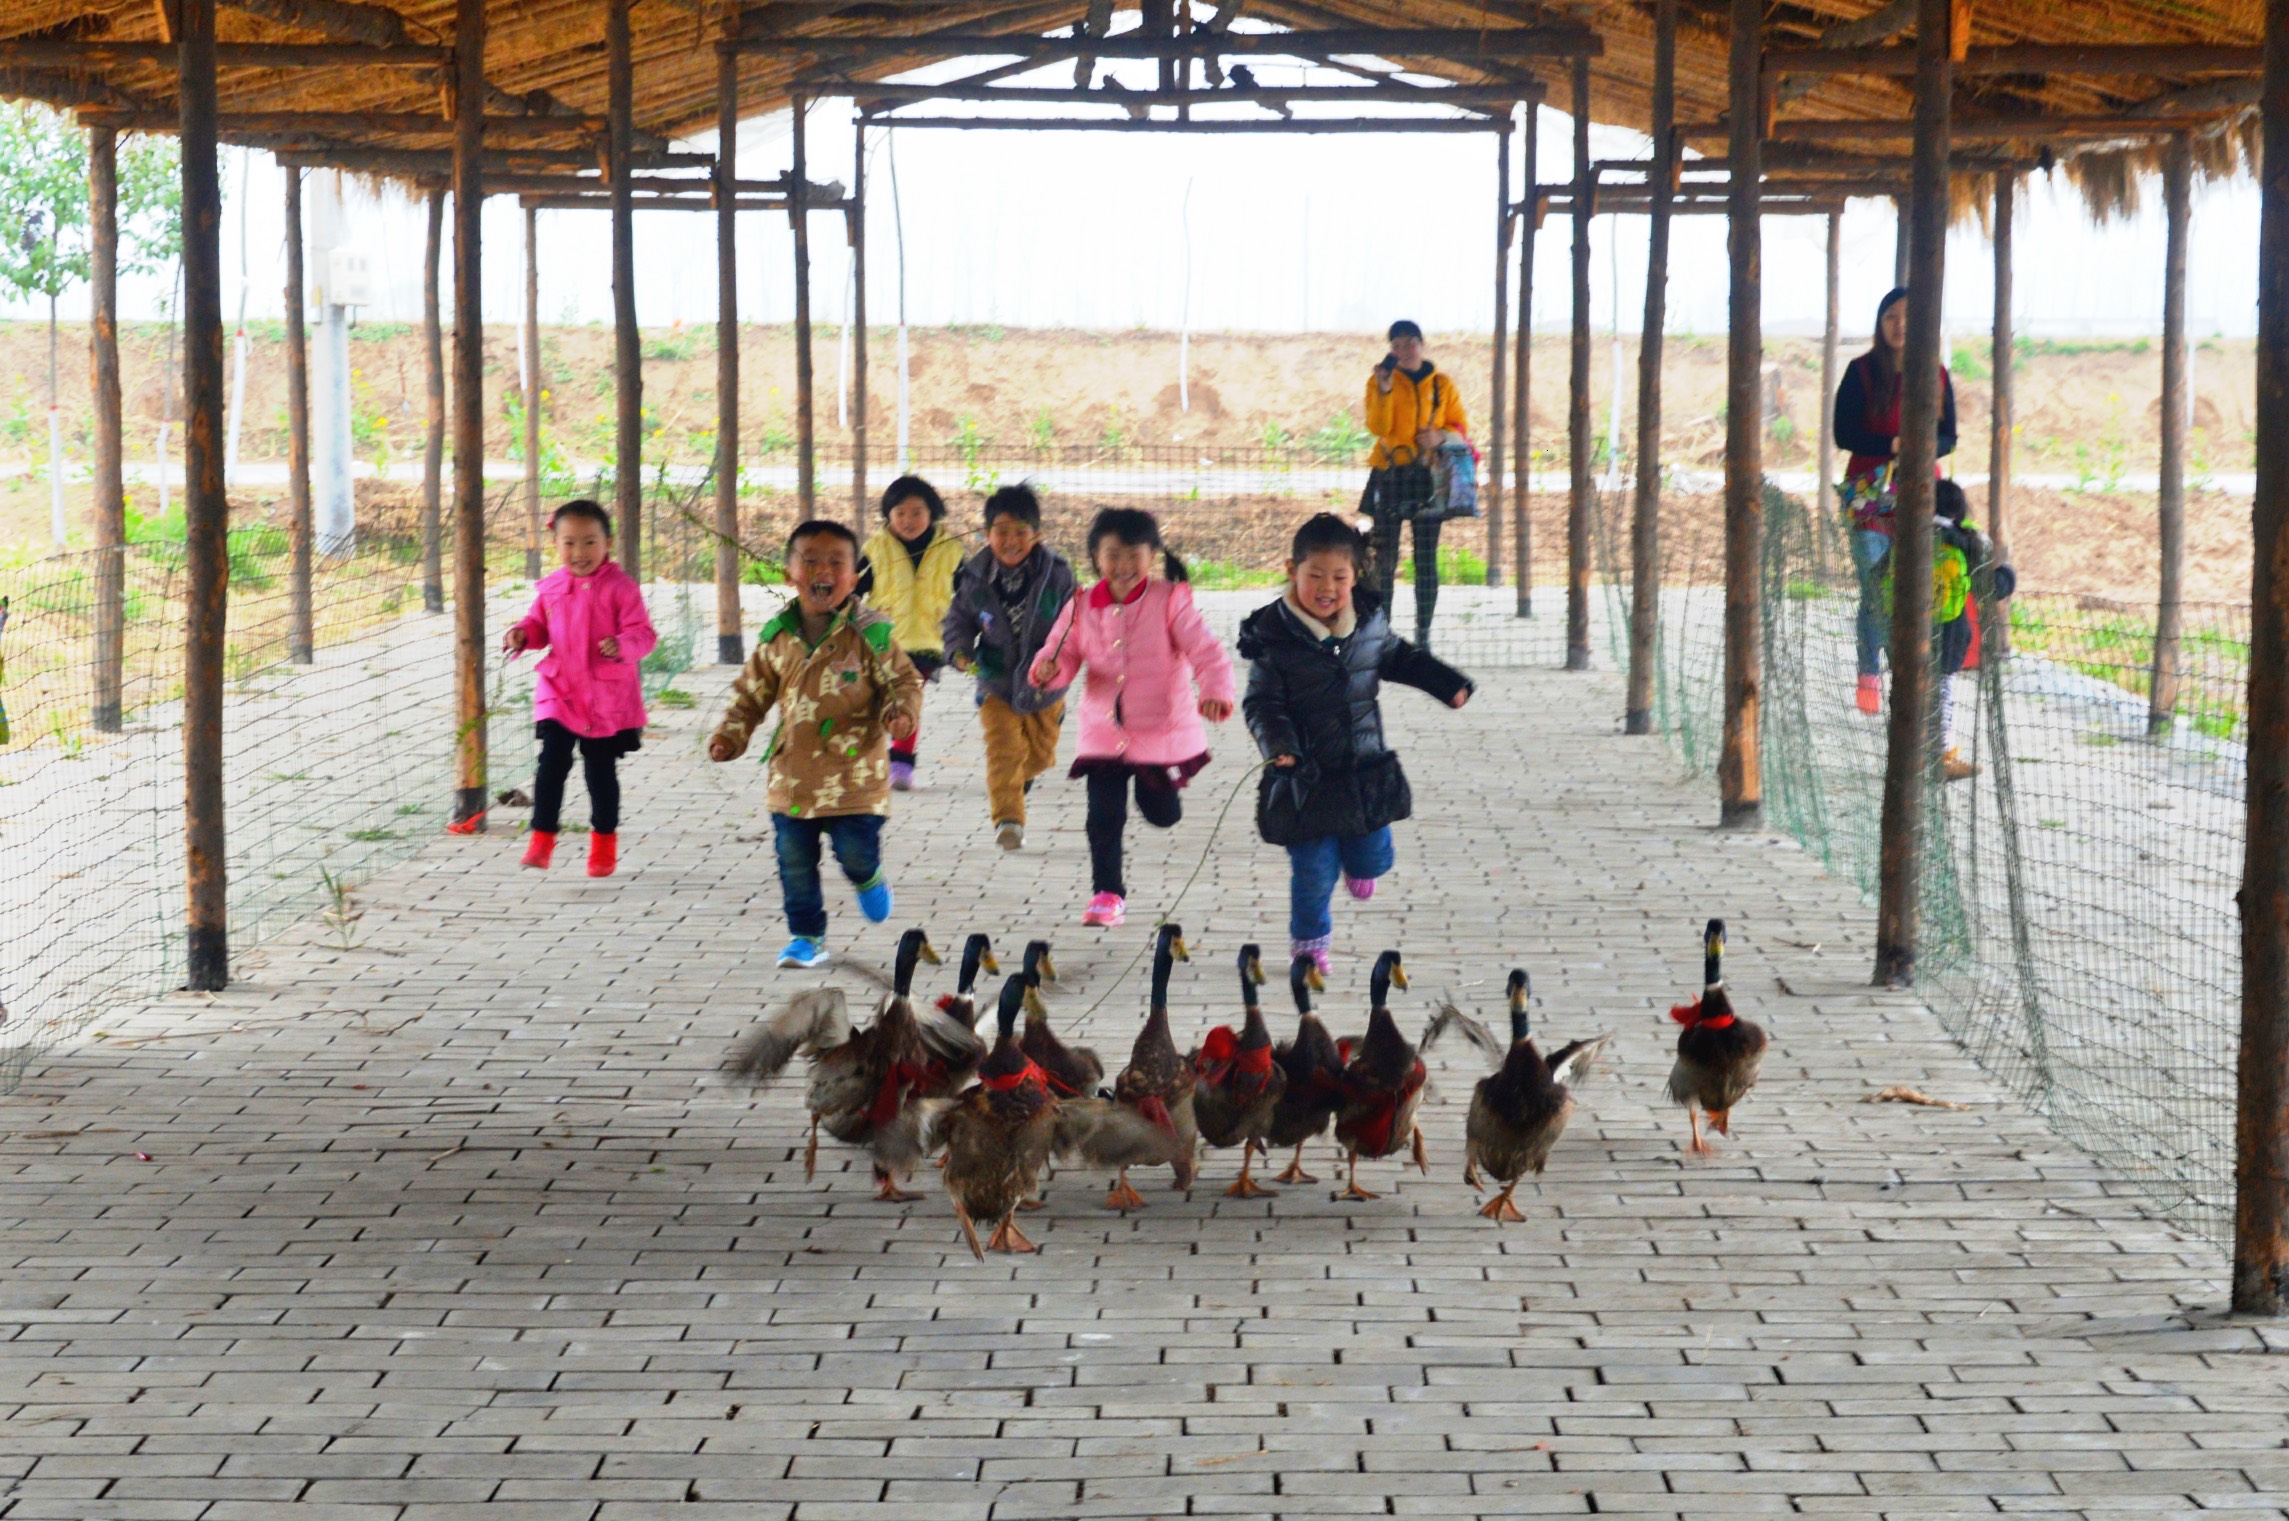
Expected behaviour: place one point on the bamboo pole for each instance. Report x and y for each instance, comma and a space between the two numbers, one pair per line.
1501, 357
1521, 402
627, 344
1740, 763
206, 510
468, 422
854, 219
302, 633
2169, 624
1830, 337
798, 211
533, 389
109, 509
433, 388
729, 627
1911, 756
1645, 507
2000, 413
1582, 497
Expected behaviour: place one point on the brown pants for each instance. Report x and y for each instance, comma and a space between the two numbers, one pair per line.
1019, 747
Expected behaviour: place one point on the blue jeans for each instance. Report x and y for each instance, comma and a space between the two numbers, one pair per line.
1312, 869
1868, 550
857, 842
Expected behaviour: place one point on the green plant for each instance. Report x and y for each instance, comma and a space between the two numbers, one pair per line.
67, 737
1115, 438
674, 697
672, 345
1041, 429
1275, 436
339, 915
1339, 441
969, 441
1967, 363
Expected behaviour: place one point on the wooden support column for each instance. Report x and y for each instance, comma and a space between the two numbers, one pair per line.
730, 643
2000, 412
798, 211
627, 344
1521, 402
1830, 336
109, 509
1740, 762
1645, 508
2169, 624
856, 224
1903, 219
1583, 496
302, 632
433, 388
533, 388
1912, 754
1501, 369
206, 510
469, 757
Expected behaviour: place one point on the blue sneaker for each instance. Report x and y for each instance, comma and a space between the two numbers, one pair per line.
874, 899
804, 952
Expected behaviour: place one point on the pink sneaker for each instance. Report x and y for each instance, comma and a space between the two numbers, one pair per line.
1361, 888
1106, 911
1869, 697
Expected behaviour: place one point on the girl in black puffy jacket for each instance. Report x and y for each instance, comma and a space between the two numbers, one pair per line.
1317, 661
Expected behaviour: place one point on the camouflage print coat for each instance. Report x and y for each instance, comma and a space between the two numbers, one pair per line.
831, 751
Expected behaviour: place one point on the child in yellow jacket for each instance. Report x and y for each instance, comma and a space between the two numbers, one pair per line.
910, 566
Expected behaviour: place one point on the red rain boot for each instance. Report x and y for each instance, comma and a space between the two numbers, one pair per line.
603, 854
540, 849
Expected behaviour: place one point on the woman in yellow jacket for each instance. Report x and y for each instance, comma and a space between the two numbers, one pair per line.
911, 562
1412, 408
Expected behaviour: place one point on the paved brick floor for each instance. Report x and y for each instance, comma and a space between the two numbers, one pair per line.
454, 1218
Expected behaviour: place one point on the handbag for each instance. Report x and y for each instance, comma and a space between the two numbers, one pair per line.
1455, 494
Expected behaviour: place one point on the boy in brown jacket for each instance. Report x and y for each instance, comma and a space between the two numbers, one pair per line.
843, 690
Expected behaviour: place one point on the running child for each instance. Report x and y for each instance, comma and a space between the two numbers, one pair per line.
1005, 599
910, 575
844, 692
588, 693
1317, 660
1154, 671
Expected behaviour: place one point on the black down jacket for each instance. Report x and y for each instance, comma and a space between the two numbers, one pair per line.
1317, 702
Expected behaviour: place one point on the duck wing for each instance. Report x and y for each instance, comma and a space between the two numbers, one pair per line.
1448, 1019
918, 1130
1573, 1061
1106, 1134
814, 1020
953, 1047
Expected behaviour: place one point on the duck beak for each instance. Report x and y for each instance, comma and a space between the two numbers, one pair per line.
1034, 1005
1177, 948
1314, 981
990, 964
1398, 975
930, 953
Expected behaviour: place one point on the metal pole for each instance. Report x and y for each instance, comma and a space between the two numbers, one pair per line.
627, 344
206, 511
469, 418
433, 385
730, 641
806, 460
1740, 764
110, 505
2261, 1115
2177, 189
1521, 416
1583, 494
1999, 421
1911, 754
1645, 509
856, 221
533, 389
301, 635
1501, 386
1830, 335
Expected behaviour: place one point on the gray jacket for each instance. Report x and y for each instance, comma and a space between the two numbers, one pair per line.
1003, 640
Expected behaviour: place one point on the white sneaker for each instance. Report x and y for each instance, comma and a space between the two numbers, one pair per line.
1010, 836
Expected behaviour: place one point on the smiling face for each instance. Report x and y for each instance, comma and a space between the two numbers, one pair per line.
824, 570
910, 518
1408, 351
581, 544
1323, 581
1893, 325
1123, 565
1011, 538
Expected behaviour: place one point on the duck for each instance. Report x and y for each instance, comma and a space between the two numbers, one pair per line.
1072, 1071
1239, 1085
998, 1134
1311, 1071
1517, 1113
1382, 1084
962, 1003
1158, 1082
1718, 1052
860, 1079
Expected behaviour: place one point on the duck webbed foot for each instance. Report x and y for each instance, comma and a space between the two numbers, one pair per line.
1352, 1190
1123, 1197
1008, 1238
887, 1191
1294, 1172
1501, 1208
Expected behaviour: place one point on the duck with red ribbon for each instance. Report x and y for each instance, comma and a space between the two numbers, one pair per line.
1311, 1071
998, 1134
1718, 1052
1383, 1082
1239, 1085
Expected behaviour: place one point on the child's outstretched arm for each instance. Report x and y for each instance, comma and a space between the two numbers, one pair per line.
528, 633
754, 693
1211, 666
958, 631
1269, 717
1060, 659
636, 637
1425, 672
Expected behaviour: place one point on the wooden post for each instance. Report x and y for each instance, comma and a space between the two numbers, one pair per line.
1911, 756
109, 514
533, 388
1501, 386
1740, 763
433, 386
1645, 508
1902, 221
2261, 1112
469, 417
627, 344
1830, 334
1583, 496
206, 510
1521, 413
729, 627
2169, 624
1999, 419
857, 317
302, 631
798, 211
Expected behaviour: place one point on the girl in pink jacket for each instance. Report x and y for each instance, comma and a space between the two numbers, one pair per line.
1153, 672
589, 694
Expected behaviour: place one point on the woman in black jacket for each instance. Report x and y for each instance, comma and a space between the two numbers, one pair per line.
1317, 661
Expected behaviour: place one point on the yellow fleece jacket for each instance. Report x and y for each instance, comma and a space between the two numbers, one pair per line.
1410, 407
915, 600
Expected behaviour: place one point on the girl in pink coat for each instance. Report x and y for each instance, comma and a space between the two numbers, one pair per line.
1153, 672
589, 694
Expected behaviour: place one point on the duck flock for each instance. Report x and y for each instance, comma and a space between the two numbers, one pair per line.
923, 1084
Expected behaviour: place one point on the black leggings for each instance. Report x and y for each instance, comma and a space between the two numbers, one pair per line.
1159, 801
599, 764
1388, 512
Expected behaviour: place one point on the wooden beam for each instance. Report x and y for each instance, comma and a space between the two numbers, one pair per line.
1501, 361
430, 163
301, 637
2028, 126
854, 224
1581, 499
2000, 410
1831, 335
1740, 766
56, 53
108, 509
335, 123
433, 396
2170, 518
806, 454
1462, 44
602, 201
730, 625
627, 342
470, 757
373, 25
1521, 405
1645, 504
1491, 97
1301, 125
2146, 59
533, 389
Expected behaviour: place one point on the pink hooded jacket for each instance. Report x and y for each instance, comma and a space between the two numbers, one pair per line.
1143, 658
592, 696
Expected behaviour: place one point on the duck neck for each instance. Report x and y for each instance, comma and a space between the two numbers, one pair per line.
909, 953
973, 955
